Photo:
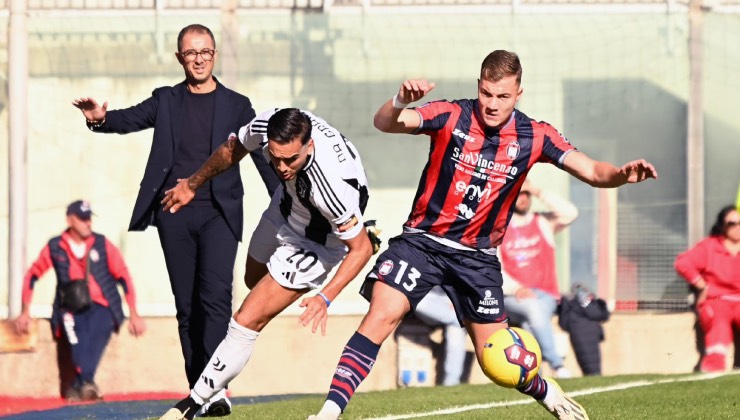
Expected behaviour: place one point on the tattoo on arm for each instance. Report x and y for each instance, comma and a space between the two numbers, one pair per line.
226, 156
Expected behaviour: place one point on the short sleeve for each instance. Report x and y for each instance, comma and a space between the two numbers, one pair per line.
338, 202
254, 135
555, 146
434, 115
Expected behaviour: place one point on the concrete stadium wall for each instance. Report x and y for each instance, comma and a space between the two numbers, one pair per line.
290, 359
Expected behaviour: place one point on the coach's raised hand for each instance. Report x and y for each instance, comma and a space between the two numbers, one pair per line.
179, 196
90, 108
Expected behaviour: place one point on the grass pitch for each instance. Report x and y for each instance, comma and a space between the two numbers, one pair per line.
630, 397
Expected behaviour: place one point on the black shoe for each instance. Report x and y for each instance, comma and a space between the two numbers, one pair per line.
90, 392
72, 394
218, 408
183, 410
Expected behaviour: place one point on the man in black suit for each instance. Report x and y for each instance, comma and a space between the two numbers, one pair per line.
190, 120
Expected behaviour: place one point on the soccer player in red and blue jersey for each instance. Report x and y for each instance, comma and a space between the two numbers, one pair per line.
481, 150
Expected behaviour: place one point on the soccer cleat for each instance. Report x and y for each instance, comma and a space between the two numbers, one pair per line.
560, 405
218, 408
183, 410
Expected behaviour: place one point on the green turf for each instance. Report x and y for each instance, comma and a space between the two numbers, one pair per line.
717, 398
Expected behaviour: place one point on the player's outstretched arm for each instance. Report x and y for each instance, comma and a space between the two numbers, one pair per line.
360, 251
604, 174
392, 117
226, 156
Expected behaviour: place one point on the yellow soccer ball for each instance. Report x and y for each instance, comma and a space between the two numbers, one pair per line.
511, 357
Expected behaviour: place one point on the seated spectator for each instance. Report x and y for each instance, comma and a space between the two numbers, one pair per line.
712, 268
436, 309
527, 256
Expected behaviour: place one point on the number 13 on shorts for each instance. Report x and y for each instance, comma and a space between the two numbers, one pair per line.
405, 275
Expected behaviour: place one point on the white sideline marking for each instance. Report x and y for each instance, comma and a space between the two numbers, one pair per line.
589, 391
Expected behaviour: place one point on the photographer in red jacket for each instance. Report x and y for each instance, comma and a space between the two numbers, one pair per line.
87, 306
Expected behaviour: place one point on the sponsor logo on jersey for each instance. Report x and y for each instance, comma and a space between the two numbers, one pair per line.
473, 192
385, 268
466, 137
476, 161
465, 212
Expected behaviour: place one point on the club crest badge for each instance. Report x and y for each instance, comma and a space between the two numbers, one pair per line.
301, 188
385, 268
512, 150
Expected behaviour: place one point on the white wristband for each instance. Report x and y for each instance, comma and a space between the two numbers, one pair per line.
398, 104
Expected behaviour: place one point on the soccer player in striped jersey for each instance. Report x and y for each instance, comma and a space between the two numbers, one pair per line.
314, 222
481, 150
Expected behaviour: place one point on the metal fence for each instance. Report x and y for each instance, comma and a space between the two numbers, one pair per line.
616, 84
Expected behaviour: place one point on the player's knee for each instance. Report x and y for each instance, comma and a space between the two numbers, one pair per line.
379, 324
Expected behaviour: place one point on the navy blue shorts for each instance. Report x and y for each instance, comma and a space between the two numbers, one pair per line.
414, 263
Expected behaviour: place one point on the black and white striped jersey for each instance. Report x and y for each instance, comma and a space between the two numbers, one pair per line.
328, 192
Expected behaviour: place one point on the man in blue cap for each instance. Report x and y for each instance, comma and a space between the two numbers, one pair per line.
87, 306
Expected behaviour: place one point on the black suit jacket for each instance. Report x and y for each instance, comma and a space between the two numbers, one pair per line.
164, 111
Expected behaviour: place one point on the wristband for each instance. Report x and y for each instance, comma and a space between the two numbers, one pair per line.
92, 124
326, 299
398, 104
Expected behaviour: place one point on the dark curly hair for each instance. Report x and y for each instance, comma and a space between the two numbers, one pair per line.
718, 228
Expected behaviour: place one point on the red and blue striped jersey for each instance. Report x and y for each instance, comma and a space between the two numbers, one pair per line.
471, 181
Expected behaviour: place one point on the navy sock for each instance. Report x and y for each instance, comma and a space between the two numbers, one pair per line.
354, 365
536, 388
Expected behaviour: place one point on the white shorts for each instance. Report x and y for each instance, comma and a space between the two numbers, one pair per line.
292, 260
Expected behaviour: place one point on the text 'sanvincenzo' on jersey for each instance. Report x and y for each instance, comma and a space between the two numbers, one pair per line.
468, 189
329, 191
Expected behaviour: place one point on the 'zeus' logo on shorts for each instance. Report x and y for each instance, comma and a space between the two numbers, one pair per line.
488, 311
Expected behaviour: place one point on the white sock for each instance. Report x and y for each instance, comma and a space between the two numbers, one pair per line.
227, 361
206, 404
330, 408
219, 395
197, 398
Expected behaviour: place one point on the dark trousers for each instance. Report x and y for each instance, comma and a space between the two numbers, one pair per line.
199, 250
87, 333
